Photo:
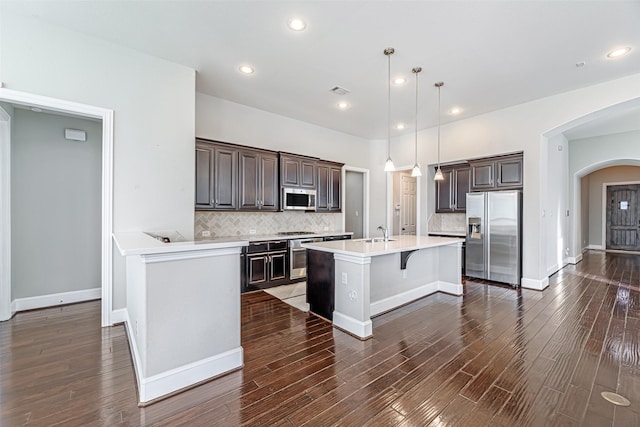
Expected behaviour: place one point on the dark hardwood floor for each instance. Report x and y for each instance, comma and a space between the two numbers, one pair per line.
494, 357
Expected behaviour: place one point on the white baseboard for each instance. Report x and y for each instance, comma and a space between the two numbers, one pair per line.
165, 383
30, 303
119, 315
574, 259
596, 247
536, 284
450, 288
176, 379
360, 329
394, 301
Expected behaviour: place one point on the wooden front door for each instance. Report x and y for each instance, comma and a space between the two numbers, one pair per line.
623, 219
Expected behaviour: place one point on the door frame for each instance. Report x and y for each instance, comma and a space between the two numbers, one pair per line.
604, 207
402, 206
390, 198
7, 308
365, 197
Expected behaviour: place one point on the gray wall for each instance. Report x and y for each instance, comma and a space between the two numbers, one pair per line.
615, 174
55, 205
354, 206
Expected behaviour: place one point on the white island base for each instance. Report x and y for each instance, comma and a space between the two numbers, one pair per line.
183, 311
372, 278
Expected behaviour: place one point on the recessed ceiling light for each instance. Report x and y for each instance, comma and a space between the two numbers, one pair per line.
36, 109
617, 53
343, 105
399, 81
400, 126
456, 110
246, 69
297, 24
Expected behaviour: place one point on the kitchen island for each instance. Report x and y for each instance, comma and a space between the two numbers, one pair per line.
371, 276
183, 311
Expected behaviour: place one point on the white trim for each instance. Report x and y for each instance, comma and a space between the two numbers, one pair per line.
52, 300
168, 382
605, 204
550, 270
7, 309
595, 247
450, 288
365, 201
402, 298
389, 207
536, 284
574, 259
178, 256
362, 330
394, 301
119, 316
352, 259
164, 383
106, 115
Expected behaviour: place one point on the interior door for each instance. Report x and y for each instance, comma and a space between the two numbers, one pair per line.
623, 220
408, 204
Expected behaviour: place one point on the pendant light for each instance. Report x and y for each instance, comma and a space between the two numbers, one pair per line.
439, 176
416, 167
388, 165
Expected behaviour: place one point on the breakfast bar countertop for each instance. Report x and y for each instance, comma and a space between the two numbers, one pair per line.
366, 248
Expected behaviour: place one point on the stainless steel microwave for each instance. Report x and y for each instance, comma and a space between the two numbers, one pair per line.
298, 199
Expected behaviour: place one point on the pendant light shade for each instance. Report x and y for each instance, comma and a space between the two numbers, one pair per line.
439, 176
388, 165
416, 166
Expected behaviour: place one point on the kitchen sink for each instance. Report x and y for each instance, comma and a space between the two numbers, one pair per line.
376, 240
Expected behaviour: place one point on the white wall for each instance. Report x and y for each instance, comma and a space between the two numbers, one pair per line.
55, 205
555, 203
519, 128
154, 104
583, 241
223, 120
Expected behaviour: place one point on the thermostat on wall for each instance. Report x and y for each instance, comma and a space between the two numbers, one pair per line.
75, 135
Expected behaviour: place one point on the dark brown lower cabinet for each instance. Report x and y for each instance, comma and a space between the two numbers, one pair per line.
320, 283
264, 265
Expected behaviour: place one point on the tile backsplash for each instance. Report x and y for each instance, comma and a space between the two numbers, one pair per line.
229, 224
447, 222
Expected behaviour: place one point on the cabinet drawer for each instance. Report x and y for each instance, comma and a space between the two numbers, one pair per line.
255, 247
278, 245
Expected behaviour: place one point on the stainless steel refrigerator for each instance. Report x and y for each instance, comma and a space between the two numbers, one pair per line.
494, 236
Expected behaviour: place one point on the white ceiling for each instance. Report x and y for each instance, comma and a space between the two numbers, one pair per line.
490, 55
626, 121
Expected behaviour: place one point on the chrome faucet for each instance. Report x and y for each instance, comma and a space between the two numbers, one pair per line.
385, 232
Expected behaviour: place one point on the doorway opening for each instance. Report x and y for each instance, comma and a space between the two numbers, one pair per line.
622, 213
8, 305
404, 203
356, 201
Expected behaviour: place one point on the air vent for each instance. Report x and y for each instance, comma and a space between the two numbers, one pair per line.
339, 90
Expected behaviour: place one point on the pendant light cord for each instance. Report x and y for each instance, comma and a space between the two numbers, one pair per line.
416, 71
389, 105
439, 85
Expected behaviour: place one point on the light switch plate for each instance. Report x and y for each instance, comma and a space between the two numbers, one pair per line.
344, 278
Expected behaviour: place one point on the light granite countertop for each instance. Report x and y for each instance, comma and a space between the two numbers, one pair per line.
365, 248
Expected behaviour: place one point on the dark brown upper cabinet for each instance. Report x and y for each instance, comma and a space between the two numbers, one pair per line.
509, 171
258, 180
328, 189
451, 193
216, 176
496, 173
297, 171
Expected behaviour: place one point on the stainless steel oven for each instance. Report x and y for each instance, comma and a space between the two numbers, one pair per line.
298, 257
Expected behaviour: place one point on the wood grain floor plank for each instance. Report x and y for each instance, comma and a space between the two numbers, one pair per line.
495, 356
